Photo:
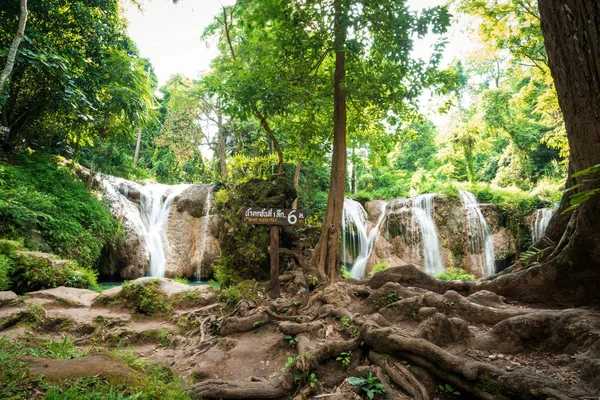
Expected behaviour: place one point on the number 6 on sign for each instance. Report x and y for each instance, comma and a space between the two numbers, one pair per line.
292, 219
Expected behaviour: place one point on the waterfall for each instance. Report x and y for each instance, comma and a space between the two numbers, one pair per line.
480, 240
354, 227
204, 232
540, 223
156, 201
354, 231
421, 212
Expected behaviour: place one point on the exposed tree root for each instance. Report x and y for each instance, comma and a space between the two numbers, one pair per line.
401, 376
263, 389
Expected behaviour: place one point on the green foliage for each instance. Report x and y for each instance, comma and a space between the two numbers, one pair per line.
28, 272
448, 389
592, 176
345, 358
144, 297
379, 267
290, 339
370, 384
345, 273
244, 252
185, 281
6, 265
390, 296
455, 274
44, 204
346, 322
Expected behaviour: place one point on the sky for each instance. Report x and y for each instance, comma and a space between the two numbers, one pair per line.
169, 35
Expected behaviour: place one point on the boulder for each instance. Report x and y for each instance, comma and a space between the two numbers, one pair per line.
67, 295
399, 241
101, 364
8, 298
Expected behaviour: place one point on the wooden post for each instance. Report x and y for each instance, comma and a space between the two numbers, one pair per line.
274, 290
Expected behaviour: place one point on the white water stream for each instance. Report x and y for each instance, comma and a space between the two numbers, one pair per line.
354, 227
540, 223
481, 243
422, 214
422, 229
155, 202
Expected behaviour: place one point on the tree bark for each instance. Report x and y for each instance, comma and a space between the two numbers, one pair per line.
136, 157
297, 175
222, 159
274, 290
571, 30
325, 256
12, 52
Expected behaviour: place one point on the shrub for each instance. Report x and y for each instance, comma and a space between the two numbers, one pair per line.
35, 271
455, 274
5, 268
145, 297
45, 204
379, 267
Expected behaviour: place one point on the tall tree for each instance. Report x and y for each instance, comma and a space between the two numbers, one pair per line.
12, 52
571, 273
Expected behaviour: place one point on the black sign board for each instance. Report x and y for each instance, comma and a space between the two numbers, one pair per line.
274, 216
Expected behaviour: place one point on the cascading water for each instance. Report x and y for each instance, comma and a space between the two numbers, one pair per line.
480, 240
156, 201
540, 223
354, 234
207, 205
354, 227
421, 212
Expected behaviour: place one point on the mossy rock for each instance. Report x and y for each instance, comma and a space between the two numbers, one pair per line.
152, 296
10, 247
33, 271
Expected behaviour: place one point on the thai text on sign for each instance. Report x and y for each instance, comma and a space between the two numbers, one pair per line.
274, 216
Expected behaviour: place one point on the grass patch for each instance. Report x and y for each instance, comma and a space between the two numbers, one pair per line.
455, 274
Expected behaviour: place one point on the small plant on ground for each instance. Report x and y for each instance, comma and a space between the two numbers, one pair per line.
388, 298
379, 267
446, 388
291, 339
185, 281
345, 273
345, 358
455, 274
146, 298
346, 322
370, 385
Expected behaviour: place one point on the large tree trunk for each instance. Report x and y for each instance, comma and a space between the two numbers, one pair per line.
325, 256
12, 52
571, 31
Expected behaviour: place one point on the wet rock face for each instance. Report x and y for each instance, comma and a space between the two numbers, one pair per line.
399, 239
189, 235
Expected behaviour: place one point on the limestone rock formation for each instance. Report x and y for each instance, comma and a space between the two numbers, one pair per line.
399, 241
187, 234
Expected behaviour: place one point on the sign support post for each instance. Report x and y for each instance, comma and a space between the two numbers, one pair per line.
274, 217
274, 290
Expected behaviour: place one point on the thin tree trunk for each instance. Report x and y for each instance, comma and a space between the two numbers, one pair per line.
265, 124
297, 175
325, 256
222, 160
136, 157
12, 52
